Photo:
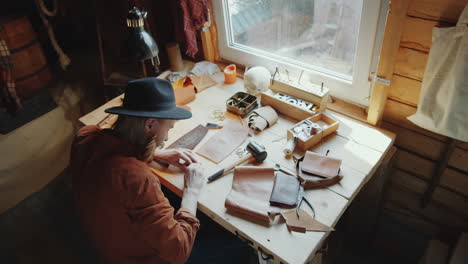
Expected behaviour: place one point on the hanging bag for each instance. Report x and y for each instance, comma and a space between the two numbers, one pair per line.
443, 103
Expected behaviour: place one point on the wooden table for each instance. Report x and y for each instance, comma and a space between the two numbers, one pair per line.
360, 146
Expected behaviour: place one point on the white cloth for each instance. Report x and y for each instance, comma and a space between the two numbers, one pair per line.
443, 103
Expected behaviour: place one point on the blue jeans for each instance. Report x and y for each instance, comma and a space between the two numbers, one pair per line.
214, 244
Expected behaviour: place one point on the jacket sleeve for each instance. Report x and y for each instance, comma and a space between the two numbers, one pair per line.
170, 236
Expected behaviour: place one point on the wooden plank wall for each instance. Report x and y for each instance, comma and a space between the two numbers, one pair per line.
418, 149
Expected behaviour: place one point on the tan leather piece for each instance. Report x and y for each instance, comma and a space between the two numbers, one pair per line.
251, 191
304, 223
320, 165
184, 95
310, 181
202, 82
225, 141
262, 118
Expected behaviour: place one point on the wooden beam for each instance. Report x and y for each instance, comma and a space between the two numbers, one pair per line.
441, 10
453, 180
417, 33
434, 212
459, 159
415, 142
441, 165
405, 90
397, 113
411, 63
442, 196
390, 45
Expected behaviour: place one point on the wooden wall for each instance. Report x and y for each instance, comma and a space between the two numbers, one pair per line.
418, 149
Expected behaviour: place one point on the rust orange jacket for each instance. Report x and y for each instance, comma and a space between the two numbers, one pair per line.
121, 205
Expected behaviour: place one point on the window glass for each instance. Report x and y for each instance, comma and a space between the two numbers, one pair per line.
318, 34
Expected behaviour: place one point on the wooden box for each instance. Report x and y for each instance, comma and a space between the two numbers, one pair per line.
327, 126
311, 93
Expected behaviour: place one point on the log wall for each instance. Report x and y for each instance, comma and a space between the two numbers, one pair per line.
418, 149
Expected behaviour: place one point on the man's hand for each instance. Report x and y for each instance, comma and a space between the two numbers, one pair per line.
194, 182
178, 157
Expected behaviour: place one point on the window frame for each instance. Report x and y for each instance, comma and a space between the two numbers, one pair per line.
356, 90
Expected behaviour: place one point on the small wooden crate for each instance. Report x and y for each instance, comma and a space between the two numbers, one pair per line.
327, 125
310, 93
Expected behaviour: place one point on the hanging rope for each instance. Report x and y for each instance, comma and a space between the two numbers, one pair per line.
43, 11
46, 11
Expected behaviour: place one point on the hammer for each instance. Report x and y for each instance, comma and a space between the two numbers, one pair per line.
256, 153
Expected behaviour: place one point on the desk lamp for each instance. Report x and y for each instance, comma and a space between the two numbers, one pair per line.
140, 45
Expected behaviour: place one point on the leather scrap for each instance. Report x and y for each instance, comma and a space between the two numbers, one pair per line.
251, 191
184, 95
304, 223
202, 82
262, 118
191, 139
225, 141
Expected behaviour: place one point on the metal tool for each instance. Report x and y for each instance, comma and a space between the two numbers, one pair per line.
213, 126
302, 198
278, 168
256, 153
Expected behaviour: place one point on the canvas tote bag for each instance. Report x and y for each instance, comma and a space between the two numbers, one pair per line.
443, 103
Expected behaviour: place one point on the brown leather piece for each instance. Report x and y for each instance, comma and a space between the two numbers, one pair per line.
285, 190
310, 181
251, 191
224, 141
191, 139
320, 165
304, 223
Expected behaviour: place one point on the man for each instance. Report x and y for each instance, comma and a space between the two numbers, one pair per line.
119, 199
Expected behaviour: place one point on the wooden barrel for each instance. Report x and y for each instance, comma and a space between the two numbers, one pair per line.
29, 65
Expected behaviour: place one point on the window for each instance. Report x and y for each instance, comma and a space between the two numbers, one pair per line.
329, 41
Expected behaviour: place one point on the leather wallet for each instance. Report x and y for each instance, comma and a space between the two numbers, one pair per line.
320, 165
312, 181
285, 190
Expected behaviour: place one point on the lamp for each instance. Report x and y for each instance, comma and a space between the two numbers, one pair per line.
139, 44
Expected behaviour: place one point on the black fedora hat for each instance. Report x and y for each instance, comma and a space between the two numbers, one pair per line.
150, 97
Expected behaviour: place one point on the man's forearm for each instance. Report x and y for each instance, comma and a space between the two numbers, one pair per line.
190, 200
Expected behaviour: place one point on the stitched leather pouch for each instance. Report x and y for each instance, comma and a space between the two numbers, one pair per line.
320, 165
285, 190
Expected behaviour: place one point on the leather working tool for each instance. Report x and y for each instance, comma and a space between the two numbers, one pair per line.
256, 153
188, 141
191, 139
302, 198
278, 168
